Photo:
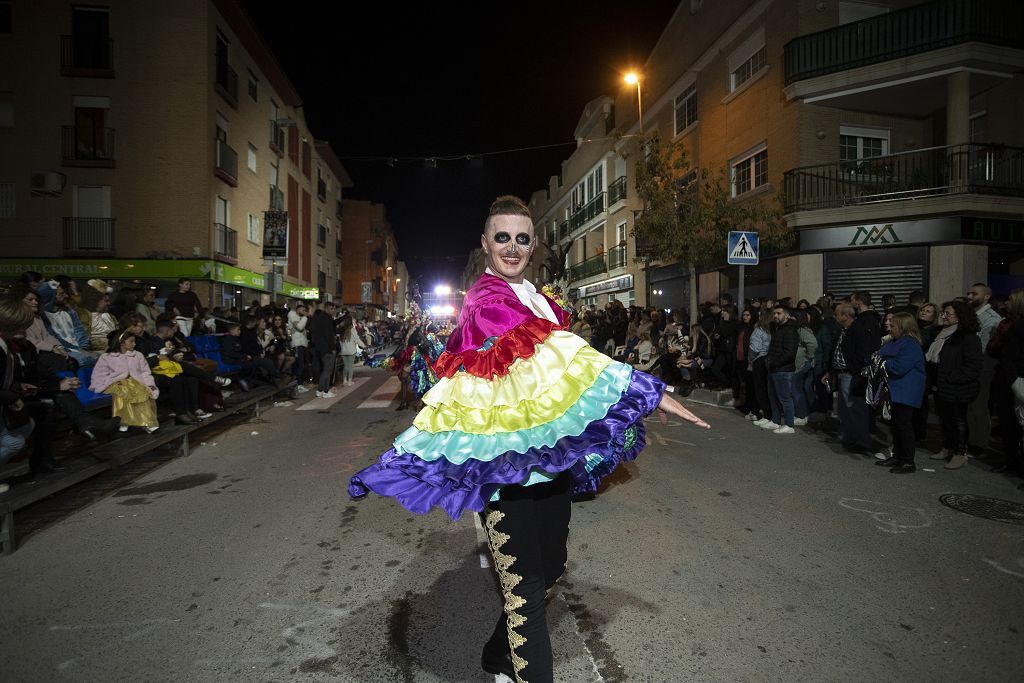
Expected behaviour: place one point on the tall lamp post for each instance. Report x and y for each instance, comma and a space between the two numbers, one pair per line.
633, 78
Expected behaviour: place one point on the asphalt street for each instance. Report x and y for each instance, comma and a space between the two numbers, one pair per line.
729, 555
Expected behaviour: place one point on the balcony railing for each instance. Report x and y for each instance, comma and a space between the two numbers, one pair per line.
226, 83
617, 257
276, 139
905, 32
592, 266
587, 212
88, 234
87, 146
86, 56
971, 168
225, 241
563, 230
276, 199
617, 190
321, 235
225, 164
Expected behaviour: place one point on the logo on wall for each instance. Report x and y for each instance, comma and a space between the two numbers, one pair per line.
865, 237
275, 235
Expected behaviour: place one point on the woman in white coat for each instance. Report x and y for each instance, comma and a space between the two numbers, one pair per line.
349, 347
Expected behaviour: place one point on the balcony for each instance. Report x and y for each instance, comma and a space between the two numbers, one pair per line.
321, 235
225, 243
226, 83
617, 257
594, 265
88, 235
276, 199
587, 212
972, 168
225, 164
87, 146
617, 190
86, 56
276, 139
337, 247
910, 31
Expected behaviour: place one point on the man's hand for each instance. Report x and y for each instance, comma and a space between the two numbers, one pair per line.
29, 389
69, 384
670, 406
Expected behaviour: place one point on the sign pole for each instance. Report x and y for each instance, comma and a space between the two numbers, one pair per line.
739, 298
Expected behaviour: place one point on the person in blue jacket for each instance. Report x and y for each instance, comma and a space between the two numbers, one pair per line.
903, 359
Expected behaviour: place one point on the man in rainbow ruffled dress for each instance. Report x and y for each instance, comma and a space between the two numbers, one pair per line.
524, 415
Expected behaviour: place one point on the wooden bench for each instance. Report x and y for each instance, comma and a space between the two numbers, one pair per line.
109, 456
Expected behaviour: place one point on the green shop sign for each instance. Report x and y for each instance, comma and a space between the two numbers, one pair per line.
299, 291
137, 269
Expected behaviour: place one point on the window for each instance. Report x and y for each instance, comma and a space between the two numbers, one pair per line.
747, 60
750, 172
7, 200
252, 158
620, 233
307, 164
6, 110
254, 228
686, 108
862, 143
253, 87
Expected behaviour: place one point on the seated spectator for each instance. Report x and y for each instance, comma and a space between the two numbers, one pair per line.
101, 322
124, 373
63, 323
15, 421
148, 309
641, 355
233, 353
37, 333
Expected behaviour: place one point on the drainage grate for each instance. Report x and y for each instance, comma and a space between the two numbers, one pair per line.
990, 508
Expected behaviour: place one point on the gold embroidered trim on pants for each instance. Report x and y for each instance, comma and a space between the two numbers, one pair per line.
509, 581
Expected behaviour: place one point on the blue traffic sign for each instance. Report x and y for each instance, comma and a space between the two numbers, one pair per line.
743, 248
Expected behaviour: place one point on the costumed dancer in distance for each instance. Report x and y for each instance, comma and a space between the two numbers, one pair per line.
524, 415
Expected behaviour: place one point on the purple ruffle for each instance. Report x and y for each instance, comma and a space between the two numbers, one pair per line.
420, 485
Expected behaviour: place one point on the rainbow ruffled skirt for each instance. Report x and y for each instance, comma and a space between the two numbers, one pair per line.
530, 404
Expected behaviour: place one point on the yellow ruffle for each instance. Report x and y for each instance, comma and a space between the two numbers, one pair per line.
526, 378
572, 381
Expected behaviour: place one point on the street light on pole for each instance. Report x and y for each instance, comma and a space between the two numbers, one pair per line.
633, 78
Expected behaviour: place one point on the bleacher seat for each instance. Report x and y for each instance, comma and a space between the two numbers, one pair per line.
89, 399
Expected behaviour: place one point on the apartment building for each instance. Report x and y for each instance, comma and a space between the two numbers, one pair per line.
885, 130
146, 141
371, 276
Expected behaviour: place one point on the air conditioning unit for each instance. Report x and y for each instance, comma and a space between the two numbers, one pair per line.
50, 182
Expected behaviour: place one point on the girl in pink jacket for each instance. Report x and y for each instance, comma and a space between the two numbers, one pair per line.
123, 373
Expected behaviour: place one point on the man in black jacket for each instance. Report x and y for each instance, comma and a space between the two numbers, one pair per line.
861, 337
324, 339
781, 363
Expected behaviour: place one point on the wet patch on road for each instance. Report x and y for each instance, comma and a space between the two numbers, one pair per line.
348, 516
188, 481
135, 501
590, 628
398, 632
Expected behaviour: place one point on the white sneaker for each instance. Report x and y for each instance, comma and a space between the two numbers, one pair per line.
770, 425
325, 394
4, 488
150, 430
301, 389
784, 430
123, 428
762, 422
799, 421
752, 417
202, 414
222, 381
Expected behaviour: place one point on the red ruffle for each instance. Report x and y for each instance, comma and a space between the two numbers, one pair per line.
519, 342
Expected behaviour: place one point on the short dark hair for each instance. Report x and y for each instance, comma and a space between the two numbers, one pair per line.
863, 296
166, 324
183, 280
917, 296
507, 205
30, 277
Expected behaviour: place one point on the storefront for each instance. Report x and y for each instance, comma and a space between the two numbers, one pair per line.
217, 284
600, 293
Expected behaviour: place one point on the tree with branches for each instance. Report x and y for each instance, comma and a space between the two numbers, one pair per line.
688, 212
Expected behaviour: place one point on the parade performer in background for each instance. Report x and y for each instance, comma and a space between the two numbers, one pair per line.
412, 360
524, 415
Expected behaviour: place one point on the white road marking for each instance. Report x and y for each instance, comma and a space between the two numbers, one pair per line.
342, 392
576, 627
383, 397
1003, 569
889, 517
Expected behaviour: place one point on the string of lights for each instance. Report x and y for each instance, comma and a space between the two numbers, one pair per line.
432, 160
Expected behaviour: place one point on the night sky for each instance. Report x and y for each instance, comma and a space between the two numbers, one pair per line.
384, 79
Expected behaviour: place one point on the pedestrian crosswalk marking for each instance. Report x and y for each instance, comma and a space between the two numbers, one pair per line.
342, 392
384, 395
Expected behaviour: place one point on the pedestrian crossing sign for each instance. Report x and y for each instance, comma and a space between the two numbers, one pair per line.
743, 248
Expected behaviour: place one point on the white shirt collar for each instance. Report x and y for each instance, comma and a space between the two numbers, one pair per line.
525, 284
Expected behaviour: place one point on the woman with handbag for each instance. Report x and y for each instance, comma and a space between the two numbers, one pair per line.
903, 361
124, 373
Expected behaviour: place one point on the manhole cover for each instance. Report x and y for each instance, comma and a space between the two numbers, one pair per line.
989, 508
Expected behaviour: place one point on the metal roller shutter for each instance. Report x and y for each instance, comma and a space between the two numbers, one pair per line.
897, 271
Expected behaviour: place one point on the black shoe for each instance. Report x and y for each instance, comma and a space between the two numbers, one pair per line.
495, 666
46, 466
905, 468
402, 406
184, 420
888, 462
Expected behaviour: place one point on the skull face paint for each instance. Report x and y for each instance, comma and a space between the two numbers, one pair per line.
508, 243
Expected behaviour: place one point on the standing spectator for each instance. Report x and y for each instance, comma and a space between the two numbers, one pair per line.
803, 377
124, 373
861, 338
297, 322
1010, 372
903, 360
187, 304
928, 323
323, 335
957, 357
979, 422
760, 342
148, 309
744, 377
825, 331
349, 347
781, 365
723, 364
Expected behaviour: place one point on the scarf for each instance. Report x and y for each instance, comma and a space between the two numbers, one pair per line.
936, 348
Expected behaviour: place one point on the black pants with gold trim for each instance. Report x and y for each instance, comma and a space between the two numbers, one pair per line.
527, 531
